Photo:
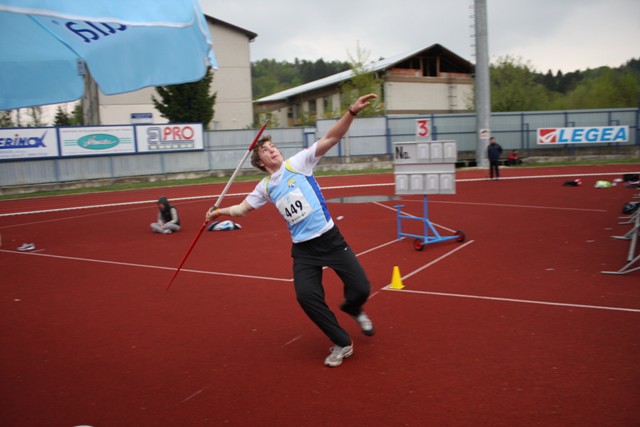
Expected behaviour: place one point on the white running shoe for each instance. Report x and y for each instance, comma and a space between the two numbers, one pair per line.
337, 354
27, 247
365, 324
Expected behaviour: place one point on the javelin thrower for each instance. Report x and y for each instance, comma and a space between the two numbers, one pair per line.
317, 242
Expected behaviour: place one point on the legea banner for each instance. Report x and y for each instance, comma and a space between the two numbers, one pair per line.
88, 141
28, 143
583, 135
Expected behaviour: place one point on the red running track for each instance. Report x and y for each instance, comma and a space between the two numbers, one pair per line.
515, 326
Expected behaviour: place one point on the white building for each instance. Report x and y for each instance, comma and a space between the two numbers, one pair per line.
231, 82
429, 80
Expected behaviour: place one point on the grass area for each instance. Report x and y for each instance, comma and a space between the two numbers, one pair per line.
256, 177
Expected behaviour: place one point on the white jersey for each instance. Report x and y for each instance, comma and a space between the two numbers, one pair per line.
297, 196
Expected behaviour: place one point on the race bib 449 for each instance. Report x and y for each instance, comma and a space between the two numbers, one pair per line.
294, 207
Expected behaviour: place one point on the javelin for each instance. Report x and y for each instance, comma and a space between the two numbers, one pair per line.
217, 205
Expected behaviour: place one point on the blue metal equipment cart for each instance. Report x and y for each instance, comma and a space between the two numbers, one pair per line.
430, 235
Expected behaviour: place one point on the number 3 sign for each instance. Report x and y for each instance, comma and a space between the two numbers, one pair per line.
423, 129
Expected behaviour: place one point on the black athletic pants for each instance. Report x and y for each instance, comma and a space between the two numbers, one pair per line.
494, 165
332, 251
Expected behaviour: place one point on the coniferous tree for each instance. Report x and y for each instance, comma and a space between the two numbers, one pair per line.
187, 102
62, 118
36, 116
5, 119
77, 116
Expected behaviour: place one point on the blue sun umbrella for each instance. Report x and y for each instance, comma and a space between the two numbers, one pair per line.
46, 47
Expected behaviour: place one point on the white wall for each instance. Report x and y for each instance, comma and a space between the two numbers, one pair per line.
117, 109
232, 82
425, 96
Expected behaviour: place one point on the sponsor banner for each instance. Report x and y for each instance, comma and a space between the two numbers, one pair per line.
583, 135
171, 137
28, 143
97, 140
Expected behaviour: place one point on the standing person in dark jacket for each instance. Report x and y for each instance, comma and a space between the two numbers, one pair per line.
168, 219
494, 150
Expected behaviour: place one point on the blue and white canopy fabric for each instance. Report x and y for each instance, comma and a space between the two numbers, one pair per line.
126, 45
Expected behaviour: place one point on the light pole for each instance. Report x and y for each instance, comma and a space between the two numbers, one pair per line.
483, 91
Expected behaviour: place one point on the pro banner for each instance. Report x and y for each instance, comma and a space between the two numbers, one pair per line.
172, 137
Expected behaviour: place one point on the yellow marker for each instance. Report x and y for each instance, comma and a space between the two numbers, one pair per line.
396, 280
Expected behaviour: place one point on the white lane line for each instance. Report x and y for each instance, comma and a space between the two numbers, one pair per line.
578, 174
194, 395
416, 271
566, 175
156, 267
406, 276
561, 304
378, 247
73, 217
292, 341
503, 205
110, 205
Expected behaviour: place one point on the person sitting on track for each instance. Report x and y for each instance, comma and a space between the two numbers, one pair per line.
168, 219
317, 242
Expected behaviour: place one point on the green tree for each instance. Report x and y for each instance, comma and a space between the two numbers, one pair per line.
362, 82
36, 117
5, 119
603, 87
270, 76
560, 83
187, 102
273, 121
606, 88
514, 87
62, 118
77, 116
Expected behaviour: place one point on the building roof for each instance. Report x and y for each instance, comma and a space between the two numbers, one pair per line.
373, 67
250, 34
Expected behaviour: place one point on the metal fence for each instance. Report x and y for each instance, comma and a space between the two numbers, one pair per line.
367, 137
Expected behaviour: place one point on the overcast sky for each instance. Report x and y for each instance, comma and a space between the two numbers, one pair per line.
566, 35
